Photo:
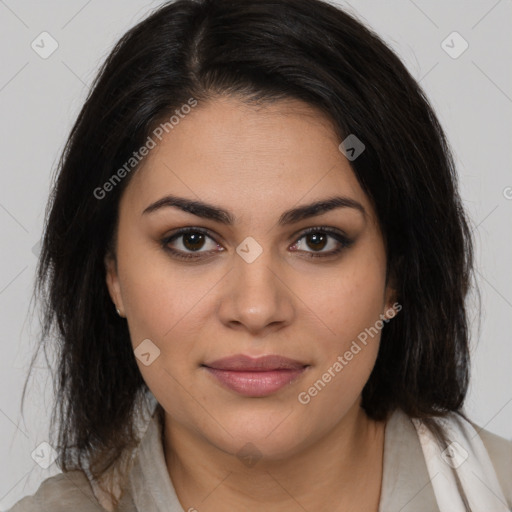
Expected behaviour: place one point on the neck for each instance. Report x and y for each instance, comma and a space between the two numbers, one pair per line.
342, 467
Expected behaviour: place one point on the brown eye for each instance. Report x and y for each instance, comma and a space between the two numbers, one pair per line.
193, 241
186, 242
317, 239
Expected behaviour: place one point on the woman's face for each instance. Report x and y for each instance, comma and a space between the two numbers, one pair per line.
256, 283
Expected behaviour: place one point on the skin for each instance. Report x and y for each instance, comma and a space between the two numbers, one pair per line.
256, 163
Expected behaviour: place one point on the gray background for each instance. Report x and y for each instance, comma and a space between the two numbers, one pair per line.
40, 98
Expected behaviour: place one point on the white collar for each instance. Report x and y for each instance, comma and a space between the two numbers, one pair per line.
467, 456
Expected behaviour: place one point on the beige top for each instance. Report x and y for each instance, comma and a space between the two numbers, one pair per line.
406, 485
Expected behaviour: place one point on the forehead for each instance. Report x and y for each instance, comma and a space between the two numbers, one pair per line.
247, 158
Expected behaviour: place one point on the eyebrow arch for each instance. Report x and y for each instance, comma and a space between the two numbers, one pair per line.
294, 215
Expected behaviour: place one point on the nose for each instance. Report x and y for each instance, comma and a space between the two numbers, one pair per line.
256, 297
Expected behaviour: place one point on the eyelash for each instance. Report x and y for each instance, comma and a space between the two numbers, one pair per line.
342, 239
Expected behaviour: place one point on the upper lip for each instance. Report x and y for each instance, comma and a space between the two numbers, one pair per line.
241, 362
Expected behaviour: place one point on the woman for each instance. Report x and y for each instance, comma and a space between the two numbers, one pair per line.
257, 260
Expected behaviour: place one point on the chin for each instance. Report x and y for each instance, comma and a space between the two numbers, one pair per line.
266, 436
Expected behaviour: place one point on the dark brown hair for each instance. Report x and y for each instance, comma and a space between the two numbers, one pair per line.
260, 51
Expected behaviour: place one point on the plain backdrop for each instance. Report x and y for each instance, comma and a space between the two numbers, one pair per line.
470, 90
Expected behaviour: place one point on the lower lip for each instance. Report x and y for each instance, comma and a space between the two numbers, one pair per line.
256, 384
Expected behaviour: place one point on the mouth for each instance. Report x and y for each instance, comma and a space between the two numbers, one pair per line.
255, 377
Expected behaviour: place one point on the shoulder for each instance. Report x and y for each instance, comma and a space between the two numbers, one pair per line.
499, 450
500, 453
62, 492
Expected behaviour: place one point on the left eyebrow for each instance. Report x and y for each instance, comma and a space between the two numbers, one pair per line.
292, 216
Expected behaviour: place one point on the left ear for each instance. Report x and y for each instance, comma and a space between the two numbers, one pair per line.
112, 280
391, 297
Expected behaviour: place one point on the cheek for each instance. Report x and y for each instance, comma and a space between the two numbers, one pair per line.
347, 354
347, 306
347, 302
168, 307
161, 299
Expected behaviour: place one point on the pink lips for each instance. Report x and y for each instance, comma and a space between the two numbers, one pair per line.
255, 377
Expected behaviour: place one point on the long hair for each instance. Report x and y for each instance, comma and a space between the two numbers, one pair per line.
259, 51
